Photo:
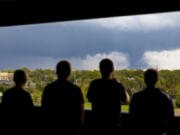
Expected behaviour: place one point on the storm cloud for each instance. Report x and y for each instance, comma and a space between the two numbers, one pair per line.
43, 45
166, 59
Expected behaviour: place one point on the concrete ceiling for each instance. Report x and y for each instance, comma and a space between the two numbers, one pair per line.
19, 13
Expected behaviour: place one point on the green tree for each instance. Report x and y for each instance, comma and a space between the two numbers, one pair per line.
36, 97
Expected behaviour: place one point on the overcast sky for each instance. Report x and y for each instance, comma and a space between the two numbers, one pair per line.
131, 42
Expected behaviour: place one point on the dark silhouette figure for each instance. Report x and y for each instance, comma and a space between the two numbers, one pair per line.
106, 95
151, 111
62, 103
17, 106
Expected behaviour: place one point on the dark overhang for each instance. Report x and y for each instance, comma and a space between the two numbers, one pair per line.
19, 13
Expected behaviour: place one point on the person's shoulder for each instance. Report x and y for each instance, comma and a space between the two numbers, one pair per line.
9, 91
72, 85
164, 95
117, 83
139, 94
48, 88
106, 81
20, 92
50, 85
16, 92
73, 89
94, 82
97, 80
165, 99
25, 94
162, 92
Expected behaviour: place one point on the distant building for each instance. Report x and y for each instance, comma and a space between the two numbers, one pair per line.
77, 81
7, 82
130, 78
30, 84
94, 70
87, 81
5, 76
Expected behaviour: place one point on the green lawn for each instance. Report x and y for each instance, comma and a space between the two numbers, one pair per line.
88, 106
126, 107
174, 103
123, 107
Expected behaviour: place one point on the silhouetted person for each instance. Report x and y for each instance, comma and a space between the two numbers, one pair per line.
151, 110
62, 102
17, 106
106, 95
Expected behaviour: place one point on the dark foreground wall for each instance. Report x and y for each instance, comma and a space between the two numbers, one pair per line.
38, 123
86, 129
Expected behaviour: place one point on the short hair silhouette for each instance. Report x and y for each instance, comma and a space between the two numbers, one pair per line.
63, 69
106, 67
20, 77
151, 77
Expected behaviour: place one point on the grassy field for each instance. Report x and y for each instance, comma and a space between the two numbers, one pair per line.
123, 107
126, 107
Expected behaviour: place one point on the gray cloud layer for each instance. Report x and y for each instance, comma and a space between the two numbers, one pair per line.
38, 45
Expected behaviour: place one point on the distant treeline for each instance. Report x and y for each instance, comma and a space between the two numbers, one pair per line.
133, 81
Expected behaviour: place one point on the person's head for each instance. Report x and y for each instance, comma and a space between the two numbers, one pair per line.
63, 69
20, 78
106, 67
151, 77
